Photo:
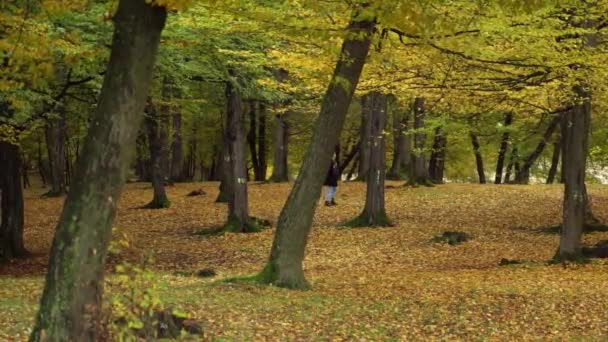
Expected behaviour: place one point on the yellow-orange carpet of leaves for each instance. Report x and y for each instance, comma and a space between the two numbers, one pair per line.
367, 284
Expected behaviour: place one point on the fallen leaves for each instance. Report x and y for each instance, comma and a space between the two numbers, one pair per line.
368, 284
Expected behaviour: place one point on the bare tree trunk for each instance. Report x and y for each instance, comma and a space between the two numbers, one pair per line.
523, 175
478, 158
156, 139
554, 161
177, 153
56, 136
11, 228
502, 152
513, 162
402, 150
437, 160
260, 176
281, 135
238, 206
284, 266
574, 144
70, 309
365, 132
374, 213
41, 168
419, 171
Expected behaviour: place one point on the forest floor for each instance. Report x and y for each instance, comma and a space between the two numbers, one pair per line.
367, 284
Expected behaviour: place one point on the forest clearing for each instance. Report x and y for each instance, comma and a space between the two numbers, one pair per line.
369, 283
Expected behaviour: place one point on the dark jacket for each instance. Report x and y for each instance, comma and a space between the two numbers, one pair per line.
333, 175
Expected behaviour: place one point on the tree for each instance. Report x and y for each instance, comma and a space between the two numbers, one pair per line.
402, 154
280, 171
374, 212
437, 160
284, 267
157, 140
365, 133
419, 171
478, 158
71, 300
502, 151
11, 224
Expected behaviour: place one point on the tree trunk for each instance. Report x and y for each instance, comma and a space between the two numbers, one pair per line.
262, 169
554, 161
284, 266
402, 150
513, 161
177, 154
419, 172
437, 160
523, 175
355, 166
374, 213
478, 158
236, 172
349, 157
365, 132
70, 308
11, 228
281, 138
574, 144
504, 144
41, 168
155, 140
56, 136
143, 156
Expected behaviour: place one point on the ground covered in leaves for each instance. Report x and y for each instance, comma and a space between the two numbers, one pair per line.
368, 284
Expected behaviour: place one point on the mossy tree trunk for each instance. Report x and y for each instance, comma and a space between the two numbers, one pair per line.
70, 308
523, 175
502, 151
280, 171
284, 266
155, 142
374, 213
236, 164
478, 158
575, 143
402, 146
12, 218
419, 172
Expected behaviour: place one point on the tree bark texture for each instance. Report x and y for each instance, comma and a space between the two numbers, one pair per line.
70, 308
502, 151
56, 137
437, 160
156, 139
177, 148
236, 163
12, 217
280, 171
374, 212
284, 266
402, 147
554, 161
419, 172
478, 158
365, 132
575, 143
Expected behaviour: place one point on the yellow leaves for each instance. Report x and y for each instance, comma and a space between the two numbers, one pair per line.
173, 5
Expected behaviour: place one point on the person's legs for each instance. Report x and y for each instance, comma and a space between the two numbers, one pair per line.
330, 193
333, 195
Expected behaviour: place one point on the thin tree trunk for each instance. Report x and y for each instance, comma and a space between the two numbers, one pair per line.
281, 138
70, 308
177, 154
56, 132
238, 206
402, 150
419, 171
26, 166
284, 266
365, 132
502, 151
478, 158
355, 166
252, 108
142, 155
554, 161
574, 144
374, 213
260, 176
11, 228
41, 168
513, 161
155, 141
437, 160
523, 175
349, 157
